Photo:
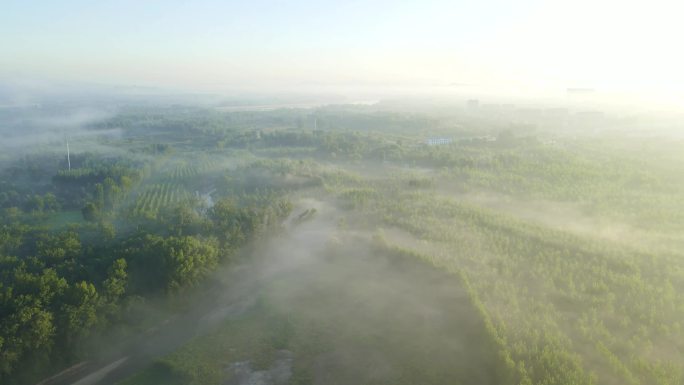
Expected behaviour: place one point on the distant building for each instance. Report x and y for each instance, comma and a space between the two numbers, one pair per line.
473, 103
438, 141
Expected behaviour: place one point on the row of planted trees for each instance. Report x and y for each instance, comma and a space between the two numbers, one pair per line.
568, 309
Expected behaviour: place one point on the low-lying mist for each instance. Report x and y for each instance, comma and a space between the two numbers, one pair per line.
347, 310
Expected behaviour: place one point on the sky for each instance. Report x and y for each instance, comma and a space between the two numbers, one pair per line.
617, 46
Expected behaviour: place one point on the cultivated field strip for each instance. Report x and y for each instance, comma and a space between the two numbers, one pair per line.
157, 196
184, 171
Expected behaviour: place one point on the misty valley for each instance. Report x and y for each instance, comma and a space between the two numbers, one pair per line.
381, 243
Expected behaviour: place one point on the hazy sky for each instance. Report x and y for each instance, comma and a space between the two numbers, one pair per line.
612, 45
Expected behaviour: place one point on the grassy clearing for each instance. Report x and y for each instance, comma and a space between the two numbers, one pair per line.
63, 219
348, 319
158, 373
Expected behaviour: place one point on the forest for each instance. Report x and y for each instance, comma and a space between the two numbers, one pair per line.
336, 244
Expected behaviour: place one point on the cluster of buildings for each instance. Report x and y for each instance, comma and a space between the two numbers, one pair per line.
438, 141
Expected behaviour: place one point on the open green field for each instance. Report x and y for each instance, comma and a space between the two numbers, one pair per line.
63, 219
359, 315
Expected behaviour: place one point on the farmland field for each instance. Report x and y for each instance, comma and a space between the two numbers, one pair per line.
156, 196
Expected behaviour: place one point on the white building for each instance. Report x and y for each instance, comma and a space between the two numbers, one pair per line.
438, 141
